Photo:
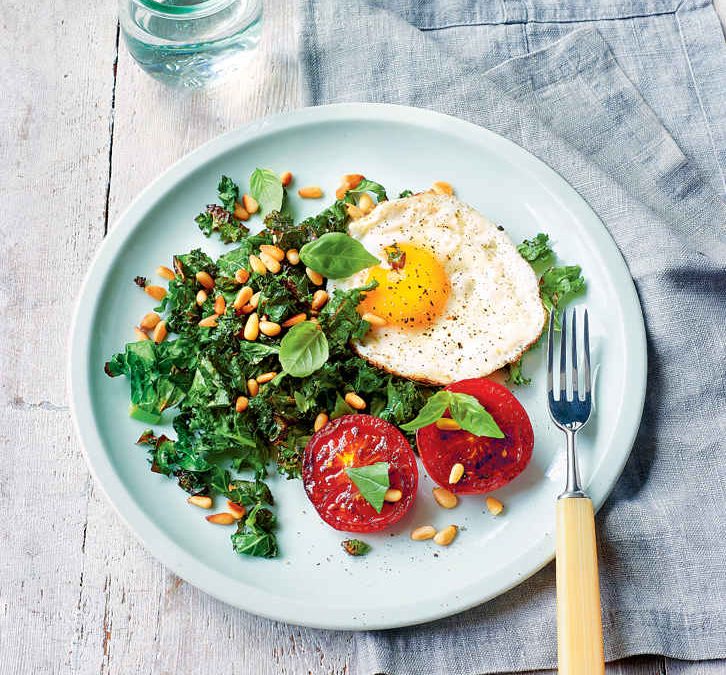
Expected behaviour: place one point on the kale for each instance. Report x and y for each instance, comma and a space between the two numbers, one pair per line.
537, 249
558, 285
405, 193
355, 547
158, 374
515, 374
221, 219
340, 319
254, 535
228, 193
288, 235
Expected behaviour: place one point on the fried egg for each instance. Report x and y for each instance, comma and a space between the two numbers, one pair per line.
457, 299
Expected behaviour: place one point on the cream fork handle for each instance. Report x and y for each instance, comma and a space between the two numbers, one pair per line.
579, 623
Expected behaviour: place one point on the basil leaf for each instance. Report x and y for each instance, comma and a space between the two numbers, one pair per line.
372, 481
336, 255
472, 416
303, 350
434, 408
465, 409
370, 186
266, 188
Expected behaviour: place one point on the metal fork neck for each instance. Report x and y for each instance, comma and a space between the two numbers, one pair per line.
572, 487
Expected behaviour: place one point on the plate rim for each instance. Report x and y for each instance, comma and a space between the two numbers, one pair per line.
163, 547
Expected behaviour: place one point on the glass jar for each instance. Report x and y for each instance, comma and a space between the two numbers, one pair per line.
190, 42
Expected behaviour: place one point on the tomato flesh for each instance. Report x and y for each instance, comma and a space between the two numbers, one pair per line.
355, 441
489, 463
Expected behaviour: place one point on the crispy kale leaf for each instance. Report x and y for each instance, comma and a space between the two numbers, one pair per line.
254, 535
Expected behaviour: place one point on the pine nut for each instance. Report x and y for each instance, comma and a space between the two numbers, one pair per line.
270, 263
297, 318
423, 533
354, 212
252, 327
240, 405
457, 471
165, 273
266, 377
392, 495
156, 292
159, 334
310, 192
444, 498
140, 335
273, 251
250, 204
247, 309
240, 212
208, 321
202, 501
252, 387
441, 187
446, 536
293, 256
222, 519
374, 319
237, 510
319, 299
220, 305
494, 506
447, 424
241, 276
320, 421
285, 178
257, 265
355, 401
353, 180
270, 328
149, 321
243, 297
314, 276
255, 299
201, 297
205, 279
365, 203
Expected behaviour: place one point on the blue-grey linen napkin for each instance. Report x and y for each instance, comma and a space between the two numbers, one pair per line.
627, 101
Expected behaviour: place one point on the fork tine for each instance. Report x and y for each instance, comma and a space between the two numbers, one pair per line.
550, 350
586, 363
574, 354
563, 357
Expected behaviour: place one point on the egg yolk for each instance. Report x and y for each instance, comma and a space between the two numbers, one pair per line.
412, 292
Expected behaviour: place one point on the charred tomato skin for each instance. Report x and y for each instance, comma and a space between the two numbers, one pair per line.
357, 440
489, 463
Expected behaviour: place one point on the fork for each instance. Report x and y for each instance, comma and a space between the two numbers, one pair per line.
579, 623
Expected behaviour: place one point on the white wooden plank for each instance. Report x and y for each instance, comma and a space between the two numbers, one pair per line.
146, 619
56, 66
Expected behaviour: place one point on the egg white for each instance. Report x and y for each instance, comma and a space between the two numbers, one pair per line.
493, 313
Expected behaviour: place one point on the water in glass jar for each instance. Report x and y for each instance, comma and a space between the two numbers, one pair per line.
190, 42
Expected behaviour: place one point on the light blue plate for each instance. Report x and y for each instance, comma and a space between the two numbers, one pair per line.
400, 582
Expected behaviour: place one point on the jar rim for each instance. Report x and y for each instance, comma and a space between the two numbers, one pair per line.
202, 8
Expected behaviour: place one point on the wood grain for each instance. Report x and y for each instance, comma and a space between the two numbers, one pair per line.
79, 139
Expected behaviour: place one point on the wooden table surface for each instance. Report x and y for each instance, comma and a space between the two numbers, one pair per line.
83, 131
